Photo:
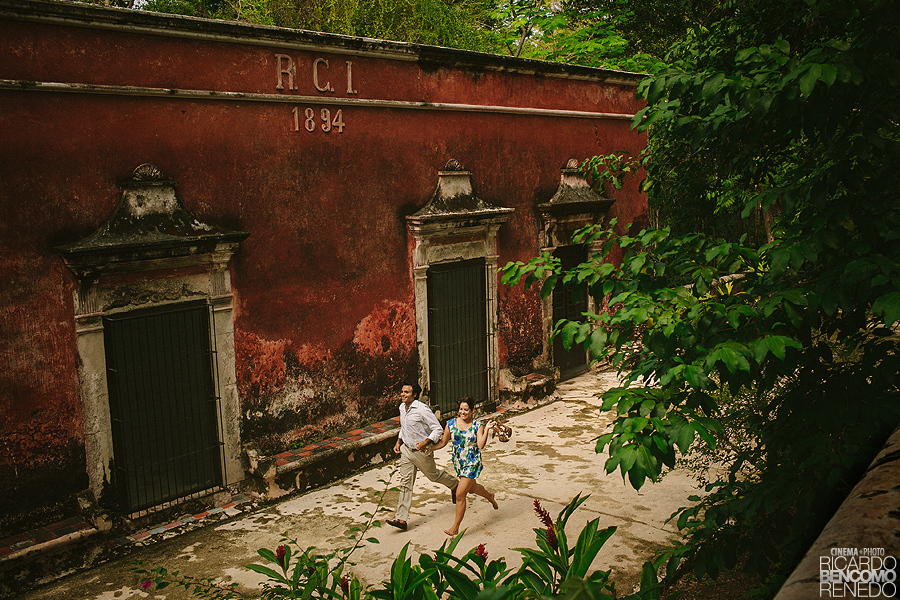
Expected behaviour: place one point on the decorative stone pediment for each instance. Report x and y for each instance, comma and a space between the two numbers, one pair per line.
574, 205
149, 229
574, 195
454, 208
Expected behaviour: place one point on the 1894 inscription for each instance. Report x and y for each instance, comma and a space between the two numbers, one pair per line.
321, 76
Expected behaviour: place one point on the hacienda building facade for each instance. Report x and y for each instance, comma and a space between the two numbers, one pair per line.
219, 239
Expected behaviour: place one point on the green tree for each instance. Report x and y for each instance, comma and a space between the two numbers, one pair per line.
630, 35
453, 23
779, 359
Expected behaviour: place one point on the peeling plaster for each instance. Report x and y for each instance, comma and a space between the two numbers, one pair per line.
297, 397
390, 328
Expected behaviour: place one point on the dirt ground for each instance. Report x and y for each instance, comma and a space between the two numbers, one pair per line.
729, 586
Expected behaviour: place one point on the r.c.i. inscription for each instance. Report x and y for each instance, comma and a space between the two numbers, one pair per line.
321, 76
319, 73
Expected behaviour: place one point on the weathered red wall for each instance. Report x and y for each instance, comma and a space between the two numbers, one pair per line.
325, 322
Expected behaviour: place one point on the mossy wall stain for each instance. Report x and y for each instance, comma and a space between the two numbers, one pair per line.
297, 393
41, 425
41, 490
521, 329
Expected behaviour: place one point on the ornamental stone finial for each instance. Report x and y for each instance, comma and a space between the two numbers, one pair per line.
147, 172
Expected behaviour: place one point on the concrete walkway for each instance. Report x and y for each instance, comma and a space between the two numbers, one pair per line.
550, 458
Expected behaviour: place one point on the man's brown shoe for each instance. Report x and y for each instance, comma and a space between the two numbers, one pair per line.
397, 524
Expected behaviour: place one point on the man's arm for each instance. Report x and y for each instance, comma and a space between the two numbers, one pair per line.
435, 431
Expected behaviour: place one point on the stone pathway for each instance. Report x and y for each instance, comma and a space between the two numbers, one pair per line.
550, 458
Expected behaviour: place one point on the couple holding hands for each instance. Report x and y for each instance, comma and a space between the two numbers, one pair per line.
420, 435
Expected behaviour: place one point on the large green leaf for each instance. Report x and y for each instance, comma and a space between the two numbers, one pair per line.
589, 543
887, 307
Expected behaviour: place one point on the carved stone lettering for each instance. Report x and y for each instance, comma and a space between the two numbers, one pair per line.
327, 86
350, 89
286, 69
290, 70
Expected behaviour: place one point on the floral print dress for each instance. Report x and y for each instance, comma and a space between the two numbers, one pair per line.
464, 450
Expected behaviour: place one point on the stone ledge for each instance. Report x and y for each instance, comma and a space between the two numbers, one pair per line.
45, 554
319, 463
528, 391
868, 519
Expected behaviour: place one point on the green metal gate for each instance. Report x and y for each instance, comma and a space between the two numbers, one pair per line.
458, 340
163, 405
568, 303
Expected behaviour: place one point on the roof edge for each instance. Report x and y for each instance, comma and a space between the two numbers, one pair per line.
94, 16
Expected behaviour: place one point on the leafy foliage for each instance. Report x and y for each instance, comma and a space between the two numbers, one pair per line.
458, 24
551, 569
610, 169
779, 359
630, 35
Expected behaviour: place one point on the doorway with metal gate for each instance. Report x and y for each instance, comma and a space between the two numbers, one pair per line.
569, 302
163, 405
454, 268
458, 341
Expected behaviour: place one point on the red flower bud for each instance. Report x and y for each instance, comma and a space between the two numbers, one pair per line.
542, 514
545, 518
551, 538
481, 552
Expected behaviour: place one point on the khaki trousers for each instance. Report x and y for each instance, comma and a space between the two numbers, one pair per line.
410, 462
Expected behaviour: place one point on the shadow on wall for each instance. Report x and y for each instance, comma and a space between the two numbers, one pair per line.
41, 494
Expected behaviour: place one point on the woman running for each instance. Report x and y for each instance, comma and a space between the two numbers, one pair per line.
468, 438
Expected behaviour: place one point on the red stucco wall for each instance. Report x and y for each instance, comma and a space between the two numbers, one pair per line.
323, 289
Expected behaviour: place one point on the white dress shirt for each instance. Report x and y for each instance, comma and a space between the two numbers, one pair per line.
418, 423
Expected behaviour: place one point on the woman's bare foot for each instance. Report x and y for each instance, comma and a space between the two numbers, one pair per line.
493, 502
451, 532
